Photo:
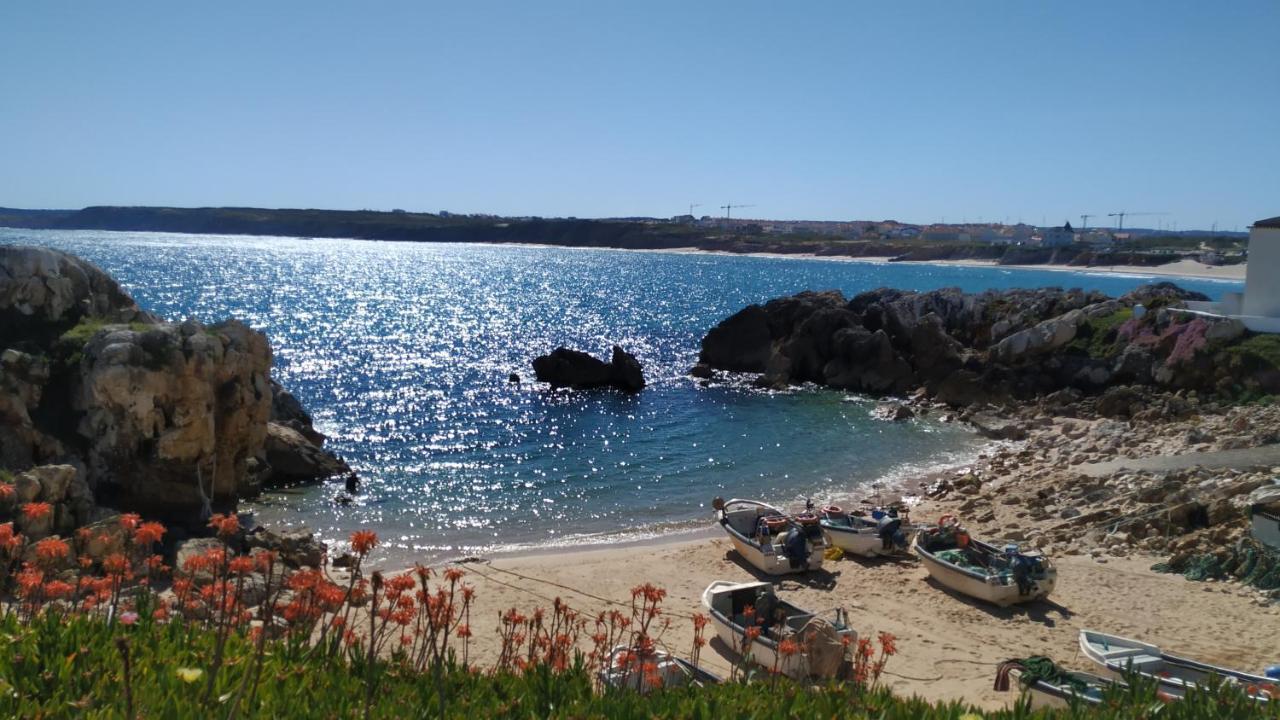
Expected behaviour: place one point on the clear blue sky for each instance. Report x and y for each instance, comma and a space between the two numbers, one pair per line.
910, 110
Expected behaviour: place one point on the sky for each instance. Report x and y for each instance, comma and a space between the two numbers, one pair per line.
915, 111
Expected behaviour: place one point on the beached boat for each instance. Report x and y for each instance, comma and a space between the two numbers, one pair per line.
771, 540
1049, 686
1176, 675
628, 668
796, 642
881, 534
1002, 576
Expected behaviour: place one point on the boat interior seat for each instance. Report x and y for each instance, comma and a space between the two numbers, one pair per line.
1122, 653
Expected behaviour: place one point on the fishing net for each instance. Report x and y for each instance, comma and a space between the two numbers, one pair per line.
1038, 668
960, 559
1248, 561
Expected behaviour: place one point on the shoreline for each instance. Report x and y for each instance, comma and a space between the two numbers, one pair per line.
1189, 269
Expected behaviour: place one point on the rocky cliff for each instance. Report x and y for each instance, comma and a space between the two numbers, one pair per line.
962, 348
172, 420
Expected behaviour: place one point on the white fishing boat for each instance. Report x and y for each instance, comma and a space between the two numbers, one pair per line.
771, 540
1048, 686
1176, 675
628, 668
1001, 576
796, 642
881, 534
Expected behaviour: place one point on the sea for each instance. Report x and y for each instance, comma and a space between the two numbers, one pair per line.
402, 353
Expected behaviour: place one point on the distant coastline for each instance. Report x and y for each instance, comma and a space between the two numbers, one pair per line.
623, 234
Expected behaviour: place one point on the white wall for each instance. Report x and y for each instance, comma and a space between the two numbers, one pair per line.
1262, 276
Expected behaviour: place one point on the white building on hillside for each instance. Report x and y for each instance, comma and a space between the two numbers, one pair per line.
1259, 306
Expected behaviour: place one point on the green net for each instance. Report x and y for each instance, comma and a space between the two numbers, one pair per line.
1042, 668
1248, 561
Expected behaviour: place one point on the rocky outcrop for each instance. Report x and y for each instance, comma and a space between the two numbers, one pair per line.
578, 370
166, 419
993, 347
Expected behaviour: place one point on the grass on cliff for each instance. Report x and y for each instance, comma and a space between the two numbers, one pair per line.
1096, 337
1263, 349
70, 346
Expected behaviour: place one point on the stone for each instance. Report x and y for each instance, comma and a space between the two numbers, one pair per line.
892, 411
993, 426
297, 547
703, 371
188, 549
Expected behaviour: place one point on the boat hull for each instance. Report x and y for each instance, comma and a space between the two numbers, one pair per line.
772, 563
864, 542
978, 587
1175, 675
761, 651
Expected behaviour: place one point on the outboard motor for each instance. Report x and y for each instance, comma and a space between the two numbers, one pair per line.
889, 531
796, 548
1023, 568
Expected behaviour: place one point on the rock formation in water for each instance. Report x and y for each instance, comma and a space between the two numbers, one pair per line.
576, 369
171, 420
994, 346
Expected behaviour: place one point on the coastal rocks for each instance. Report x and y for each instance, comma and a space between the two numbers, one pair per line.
45, 292
170, 415
992, 347
165, 419
575, 369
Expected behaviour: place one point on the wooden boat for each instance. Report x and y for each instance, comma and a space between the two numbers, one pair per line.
628, 668
771, 540
1048, 686
1176, 675
859, 535
821, 645
977, 569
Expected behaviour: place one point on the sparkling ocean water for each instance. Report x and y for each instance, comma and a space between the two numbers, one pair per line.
401, 352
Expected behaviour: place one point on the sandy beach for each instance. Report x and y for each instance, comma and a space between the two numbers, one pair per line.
948, 645
1181, 268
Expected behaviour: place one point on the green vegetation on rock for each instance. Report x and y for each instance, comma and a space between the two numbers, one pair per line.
1096, 337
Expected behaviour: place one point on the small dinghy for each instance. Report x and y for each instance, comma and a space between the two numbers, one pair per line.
881, 534
1176, 675
798, 643
628, 668
1049, 686
771, 540
999, 576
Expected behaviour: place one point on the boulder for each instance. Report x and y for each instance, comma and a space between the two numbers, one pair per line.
296, 547
993, 426
625, 372
287, 411
293, 459
740, 343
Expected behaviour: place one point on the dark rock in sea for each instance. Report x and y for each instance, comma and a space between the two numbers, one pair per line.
514, 378
988, 348
578, 370
702, 371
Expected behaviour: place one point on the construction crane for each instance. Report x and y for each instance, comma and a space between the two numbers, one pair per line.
692, 206
1122, 215
731, 206
1084, 222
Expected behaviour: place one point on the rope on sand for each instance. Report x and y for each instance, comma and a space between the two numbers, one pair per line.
567, 588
